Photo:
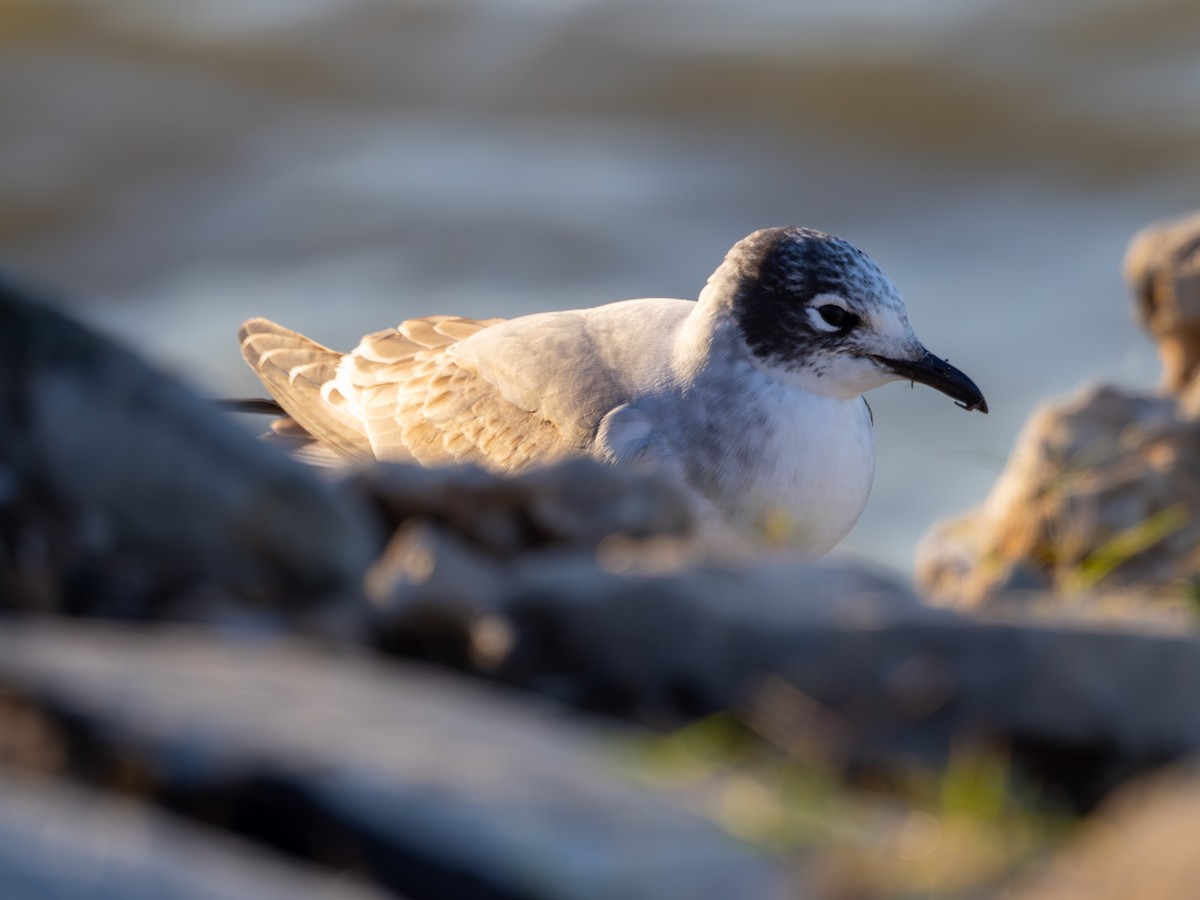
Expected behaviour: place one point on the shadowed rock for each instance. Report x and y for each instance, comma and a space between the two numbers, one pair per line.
1079, 710
61, 843
572, 506
432, 787
834, 657
1142, 844
462, 539
123, 493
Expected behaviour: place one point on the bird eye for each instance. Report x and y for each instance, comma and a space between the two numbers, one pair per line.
837, 316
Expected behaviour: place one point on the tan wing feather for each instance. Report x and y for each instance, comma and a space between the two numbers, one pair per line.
400, 396
417, 400
295, 370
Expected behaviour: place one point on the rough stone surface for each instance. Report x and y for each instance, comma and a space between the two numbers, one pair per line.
1142, 844
437, 597
573, 506
840, 659
1162, 267
463, 539
123, 493
432, 787
1102, 491
62, 843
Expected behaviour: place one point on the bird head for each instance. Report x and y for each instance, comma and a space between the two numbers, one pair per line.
818, 312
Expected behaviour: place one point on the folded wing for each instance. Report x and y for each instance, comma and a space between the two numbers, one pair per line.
402, 395
295, 370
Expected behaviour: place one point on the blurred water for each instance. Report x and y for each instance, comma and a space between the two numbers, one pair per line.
342, 164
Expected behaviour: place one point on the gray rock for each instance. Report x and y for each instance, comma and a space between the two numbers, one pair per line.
847, 661
1080, 708
63, 843
574, 505
669, 647
464, 539
432, 787
438, 597
123, 493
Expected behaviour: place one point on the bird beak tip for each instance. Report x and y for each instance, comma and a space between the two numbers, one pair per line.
941, 376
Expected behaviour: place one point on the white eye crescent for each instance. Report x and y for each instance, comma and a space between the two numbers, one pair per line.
829, 313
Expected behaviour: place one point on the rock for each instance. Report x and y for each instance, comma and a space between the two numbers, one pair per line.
1079, 709
667, 648
438, 597
1102, 491
1142, 844
427, 785
1162, 267
463, 539
431, 593
847, 661
122, 493
62, 843
574, 505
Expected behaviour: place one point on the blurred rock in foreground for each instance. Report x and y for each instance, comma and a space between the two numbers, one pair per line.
464, 539
64, 843
839, 659
575, 506
415, 781
1103, 488
1142, 844
122, 493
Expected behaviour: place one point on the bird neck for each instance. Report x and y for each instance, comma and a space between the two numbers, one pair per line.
709, 332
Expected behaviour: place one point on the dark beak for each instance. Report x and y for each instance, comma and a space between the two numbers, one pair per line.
939, 375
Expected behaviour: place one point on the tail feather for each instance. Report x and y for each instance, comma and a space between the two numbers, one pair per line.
289, 435
256, 405
295, 370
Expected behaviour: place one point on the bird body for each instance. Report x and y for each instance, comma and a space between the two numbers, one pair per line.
748, 398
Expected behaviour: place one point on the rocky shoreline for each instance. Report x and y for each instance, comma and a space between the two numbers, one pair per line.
443, 683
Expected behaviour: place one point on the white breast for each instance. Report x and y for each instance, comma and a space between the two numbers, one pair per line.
818, 467
782, 469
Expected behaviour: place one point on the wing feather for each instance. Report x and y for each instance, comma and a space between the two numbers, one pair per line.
439, 411
295, 370
401, 395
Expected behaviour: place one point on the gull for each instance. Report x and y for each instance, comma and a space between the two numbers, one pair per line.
749, 398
